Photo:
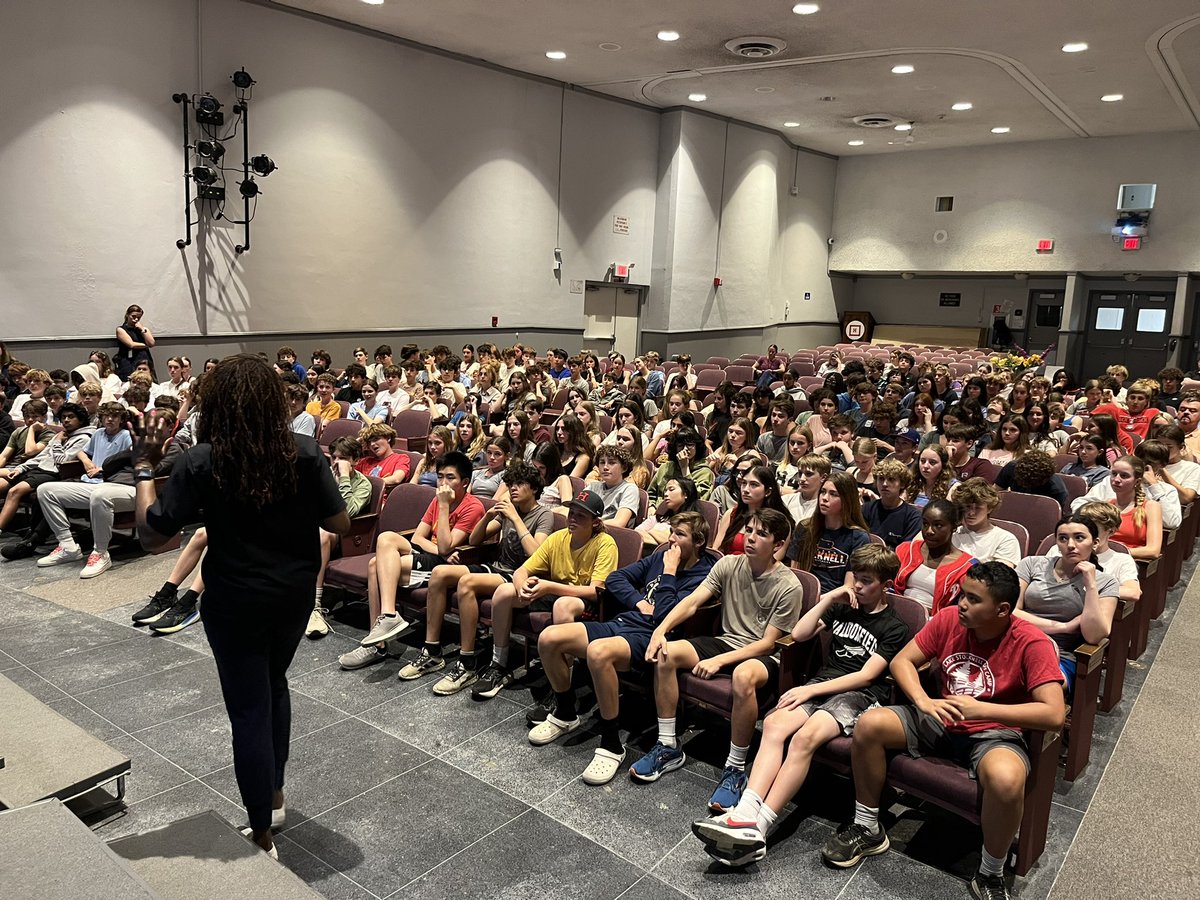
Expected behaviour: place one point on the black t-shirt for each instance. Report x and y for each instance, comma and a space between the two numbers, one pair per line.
855, 636
895, 526
1054, 488
274, 552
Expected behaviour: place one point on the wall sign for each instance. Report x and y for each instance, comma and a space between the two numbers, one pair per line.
620, 224
950, 300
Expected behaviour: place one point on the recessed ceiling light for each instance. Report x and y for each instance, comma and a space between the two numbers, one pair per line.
904, 126
1112, 98
791, 124
855, 143
1001, 129
962, 107
1076, 47
555, 54
764, 90
697, 98
610, 46
805, 9
668, 35
373, 2
903, 70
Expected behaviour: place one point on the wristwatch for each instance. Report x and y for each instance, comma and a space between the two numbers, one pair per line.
143, 474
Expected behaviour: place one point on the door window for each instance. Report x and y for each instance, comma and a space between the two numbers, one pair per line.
1110, 318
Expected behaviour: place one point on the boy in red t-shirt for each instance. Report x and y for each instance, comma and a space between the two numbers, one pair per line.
996, 675
1138, 416
445, 527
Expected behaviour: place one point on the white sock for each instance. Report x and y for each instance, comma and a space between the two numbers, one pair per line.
747, 808
500, 656
766, 819
666, 732
866, 816
737, 756
69, 545
320, 591
991, 865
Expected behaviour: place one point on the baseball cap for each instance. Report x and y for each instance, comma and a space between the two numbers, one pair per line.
909, 434
588, 502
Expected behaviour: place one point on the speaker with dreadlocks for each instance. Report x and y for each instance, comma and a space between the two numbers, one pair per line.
262, 492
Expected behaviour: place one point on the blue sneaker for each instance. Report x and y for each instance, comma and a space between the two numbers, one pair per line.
729, 791
658, 762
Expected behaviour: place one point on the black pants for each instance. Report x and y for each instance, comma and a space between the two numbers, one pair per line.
253, 642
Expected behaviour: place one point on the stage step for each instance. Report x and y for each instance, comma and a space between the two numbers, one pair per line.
203, 857
44, 755
46, 853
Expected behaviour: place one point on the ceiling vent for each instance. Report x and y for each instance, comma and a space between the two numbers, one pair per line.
876, 120
756, 47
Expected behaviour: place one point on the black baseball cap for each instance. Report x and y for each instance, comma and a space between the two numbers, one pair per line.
589, 502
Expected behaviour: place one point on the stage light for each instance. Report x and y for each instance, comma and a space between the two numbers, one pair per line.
213, 150
262, 165
241, 79
248, 188
204, 175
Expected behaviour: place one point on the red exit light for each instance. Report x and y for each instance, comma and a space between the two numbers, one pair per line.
1131, 243
1046, 245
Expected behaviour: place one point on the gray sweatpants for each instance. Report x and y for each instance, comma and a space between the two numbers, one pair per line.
102, 501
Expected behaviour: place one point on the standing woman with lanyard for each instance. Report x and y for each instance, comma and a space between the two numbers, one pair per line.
134, 341
262, 492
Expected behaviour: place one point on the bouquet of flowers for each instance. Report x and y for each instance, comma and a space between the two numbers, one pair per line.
1013, 362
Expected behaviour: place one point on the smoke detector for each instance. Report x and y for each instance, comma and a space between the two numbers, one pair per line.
756, 46
878, 120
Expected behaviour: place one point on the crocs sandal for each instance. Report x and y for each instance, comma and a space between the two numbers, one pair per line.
604, 766
551, 730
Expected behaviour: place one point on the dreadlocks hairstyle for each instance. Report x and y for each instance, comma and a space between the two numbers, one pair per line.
246, 419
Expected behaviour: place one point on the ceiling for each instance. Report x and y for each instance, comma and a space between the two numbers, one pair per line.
1005, 58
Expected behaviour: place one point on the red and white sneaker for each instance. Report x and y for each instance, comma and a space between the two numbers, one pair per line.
58, 555
97, 563
732, 840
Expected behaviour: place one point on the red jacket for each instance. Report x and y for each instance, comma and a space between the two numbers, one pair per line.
948, 580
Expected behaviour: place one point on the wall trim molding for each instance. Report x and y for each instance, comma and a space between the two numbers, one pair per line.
740, 328
254, 335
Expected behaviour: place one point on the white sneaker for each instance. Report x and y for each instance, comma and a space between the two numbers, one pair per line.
317, 626
97, 563
60, 555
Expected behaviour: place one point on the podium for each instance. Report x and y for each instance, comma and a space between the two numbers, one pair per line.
857, 326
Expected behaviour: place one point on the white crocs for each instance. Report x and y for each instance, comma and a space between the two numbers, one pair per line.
604, 766
551, 730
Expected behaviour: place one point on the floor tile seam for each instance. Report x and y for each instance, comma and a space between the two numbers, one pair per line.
647, 875
328, 864
121, 731
650, 871
849, 881
516, 712
504, 791
102, 646
161, 756
194, 712
114, 684
342, 803
41, 677
612, 850
459, 852
191, 779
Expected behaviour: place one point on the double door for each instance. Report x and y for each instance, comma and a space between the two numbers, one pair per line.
1132, 328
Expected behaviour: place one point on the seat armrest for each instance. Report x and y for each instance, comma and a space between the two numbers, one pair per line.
1089, 657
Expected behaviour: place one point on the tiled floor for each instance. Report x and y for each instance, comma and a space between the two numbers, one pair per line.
393, 792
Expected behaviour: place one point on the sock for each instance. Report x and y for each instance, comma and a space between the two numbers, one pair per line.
747, 808
866, 816
766, 819
189, 597
470, 660
317, 601
991, 865
500, 656
434, 648
610, 736
69, 545
169, 587
737, 756
666, 732
564, 706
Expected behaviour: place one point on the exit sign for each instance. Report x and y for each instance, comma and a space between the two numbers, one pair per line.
1131, 243
1045, 245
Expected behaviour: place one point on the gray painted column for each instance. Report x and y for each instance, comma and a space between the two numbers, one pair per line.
1071, 333
1183, 354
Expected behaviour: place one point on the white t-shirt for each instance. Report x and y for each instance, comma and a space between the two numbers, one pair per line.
396, 401
1186, 473
922, 582
1165, 494
994, 544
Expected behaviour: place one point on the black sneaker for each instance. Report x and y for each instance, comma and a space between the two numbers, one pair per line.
988, 887
538, 714
852, 843
492, 681
178, 617
19, 550
155, 608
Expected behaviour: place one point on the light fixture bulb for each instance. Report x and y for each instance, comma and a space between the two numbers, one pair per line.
805, 9
668, 36
903, 69
555, 54
697, 98
1074, 47
962, 107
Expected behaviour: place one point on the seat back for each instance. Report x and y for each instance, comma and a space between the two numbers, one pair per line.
643, 506
629, 545
1062, 460
365, 526
405, 506
1017, 530
740, 374
718, 360
712, 515
910, 612
1039, 515
336, 429
1076, 486
709, 379
411, 424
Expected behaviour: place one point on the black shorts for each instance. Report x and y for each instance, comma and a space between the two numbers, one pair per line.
480, 569
546, 604
34, 477
424, 561
707, 647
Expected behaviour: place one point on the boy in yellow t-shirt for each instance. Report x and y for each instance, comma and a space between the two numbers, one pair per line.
563, 576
